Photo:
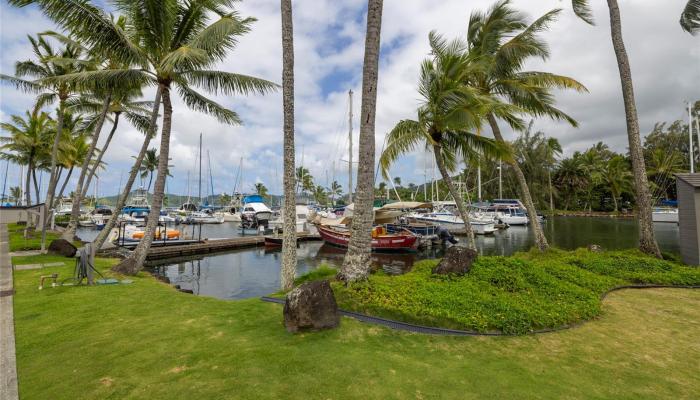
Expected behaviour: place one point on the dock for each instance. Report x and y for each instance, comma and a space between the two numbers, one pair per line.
190, 248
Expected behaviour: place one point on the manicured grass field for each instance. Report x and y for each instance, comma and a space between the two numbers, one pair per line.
515, 295
19, 243
147, 341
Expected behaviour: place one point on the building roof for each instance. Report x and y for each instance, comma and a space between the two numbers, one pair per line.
691, 179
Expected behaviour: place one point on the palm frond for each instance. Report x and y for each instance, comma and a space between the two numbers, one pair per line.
402, 139
221, 36
202, 104
228, 83
583, 10
690, 18
21, 84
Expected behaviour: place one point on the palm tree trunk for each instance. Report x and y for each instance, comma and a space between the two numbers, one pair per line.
93, 170
437, 150
65, 183
53, 179
150, 180
551, 191
36, 184
69, 233
614, 196
289, 241
356, 264
540, 239
647, 242
121, 200
134, 263
28, 183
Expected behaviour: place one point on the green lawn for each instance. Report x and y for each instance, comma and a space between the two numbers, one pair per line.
515, 295
147, 341
19, 243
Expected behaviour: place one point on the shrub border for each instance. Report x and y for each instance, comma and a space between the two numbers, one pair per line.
431, 330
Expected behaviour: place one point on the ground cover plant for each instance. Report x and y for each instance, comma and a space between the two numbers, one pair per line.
146, 340
514, 295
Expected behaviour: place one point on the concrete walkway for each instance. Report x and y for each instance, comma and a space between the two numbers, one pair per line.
8, 361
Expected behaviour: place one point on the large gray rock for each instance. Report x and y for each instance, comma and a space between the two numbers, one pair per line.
63, 248
311, 306
594, 248
458, 260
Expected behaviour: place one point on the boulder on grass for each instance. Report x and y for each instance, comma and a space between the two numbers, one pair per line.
62, 247
311, 306
458, 260
594, 248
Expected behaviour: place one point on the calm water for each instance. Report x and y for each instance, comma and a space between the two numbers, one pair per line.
256, 272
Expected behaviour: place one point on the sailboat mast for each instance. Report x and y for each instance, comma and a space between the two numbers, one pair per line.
690, 140
199, 194
350, 148
500, 179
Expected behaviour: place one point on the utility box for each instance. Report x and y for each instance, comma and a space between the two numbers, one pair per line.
688, 189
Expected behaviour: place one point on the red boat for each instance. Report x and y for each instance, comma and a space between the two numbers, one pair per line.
381, 239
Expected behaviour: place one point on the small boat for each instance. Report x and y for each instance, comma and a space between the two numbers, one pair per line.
665, 214
134, 233
381, 239
454, 222
232, 212
202, 217
255, 213
137, 208
302, 214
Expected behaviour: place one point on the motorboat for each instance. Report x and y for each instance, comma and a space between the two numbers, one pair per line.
136, 210
665, 214
302, 220
255, 212
382, 240
453, 222
203, 217
232, 212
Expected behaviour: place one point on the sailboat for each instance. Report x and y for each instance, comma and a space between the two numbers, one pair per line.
199, 215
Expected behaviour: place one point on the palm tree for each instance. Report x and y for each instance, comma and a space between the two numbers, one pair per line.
502, 41
335, 190
690, 19
149, 165
552, 149
592, 162
29, 138
72, 151
617, 175
16, 194
570, 178
357, 259
289, 240
260, 189
397, 181
50, 64
449, 111
647, 241
320, 194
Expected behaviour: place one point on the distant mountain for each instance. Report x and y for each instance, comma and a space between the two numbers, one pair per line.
176, 200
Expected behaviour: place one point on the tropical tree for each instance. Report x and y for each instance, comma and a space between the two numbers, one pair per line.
570, 179
690, 18
647, 241
304, 180
72, 151
16, 195
552, 150
502, 41
289, 240
320, 194
397, 181
618, 177
357, 259
149, 165
336, 190
28, 139
36, 76
260, 189
446, 116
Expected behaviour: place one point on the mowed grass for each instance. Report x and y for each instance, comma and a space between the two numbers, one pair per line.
514, 295
19, 243
147, 341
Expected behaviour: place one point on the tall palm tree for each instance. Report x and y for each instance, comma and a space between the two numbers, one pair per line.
289, 240
647, 241
29, 138
336, 190
502, 41
357, 259
35, 76
260, 189
690, 19
446, 116
552, 150
149, 165
571, 179
16, 194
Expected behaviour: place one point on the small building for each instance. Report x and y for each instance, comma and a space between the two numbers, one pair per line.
688, 188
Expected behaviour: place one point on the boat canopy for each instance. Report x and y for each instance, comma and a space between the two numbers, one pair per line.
255, 198
406, 205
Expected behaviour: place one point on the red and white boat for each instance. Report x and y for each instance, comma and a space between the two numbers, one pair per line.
381, 239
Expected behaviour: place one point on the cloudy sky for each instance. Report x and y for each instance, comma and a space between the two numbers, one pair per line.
329, 40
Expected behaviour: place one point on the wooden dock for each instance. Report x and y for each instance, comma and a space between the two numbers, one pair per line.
214, 246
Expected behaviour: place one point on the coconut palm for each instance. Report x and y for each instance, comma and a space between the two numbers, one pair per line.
336, 190
289, 241
260, 189
28, 139
357, 259
617, 176
16, 195
647, 241
502, 41
552, 150
446, 117
149, 165
570, 178
690, 19
72, 151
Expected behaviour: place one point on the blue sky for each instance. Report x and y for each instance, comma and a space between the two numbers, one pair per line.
329, 40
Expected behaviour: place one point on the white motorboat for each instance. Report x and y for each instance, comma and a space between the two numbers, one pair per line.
665, 214
302, 220
232, 212
137, 208
201, 217
255, 212
454, 222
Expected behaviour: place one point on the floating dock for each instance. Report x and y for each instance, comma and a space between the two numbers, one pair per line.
189, 248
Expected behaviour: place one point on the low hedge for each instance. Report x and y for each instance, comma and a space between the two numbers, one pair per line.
514, 295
